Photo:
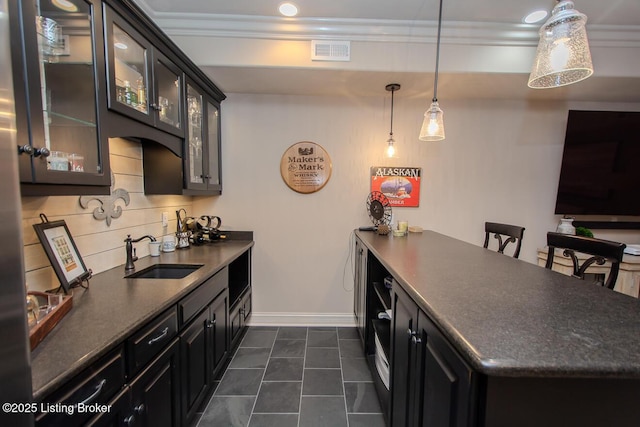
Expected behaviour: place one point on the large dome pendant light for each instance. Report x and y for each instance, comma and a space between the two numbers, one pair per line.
391, 149
563, 55
433, 124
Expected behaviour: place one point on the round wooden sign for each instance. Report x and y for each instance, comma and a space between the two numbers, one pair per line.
305, 167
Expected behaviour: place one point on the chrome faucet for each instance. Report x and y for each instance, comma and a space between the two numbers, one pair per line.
131, 251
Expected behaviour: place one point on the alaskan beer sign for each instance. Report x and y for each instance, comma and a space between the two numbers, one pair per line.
401, 185
305, 167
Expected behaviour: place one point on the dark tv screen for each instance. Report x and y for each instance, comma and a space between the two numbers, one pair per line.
600, 173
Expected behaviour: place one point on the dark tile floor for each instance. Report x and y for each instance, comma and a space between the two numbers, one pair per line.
296, 376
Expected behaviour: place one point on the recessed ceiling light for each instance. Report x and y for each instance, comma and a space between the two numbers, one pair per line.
534, 17
65, 5
120, 45
288, 9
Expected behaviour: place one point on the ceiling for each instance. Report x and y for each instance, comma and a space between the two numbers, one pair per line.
227, 39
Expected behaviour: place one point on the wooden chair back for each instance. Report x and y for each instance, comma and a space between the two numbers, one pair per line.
514, 234
600, 250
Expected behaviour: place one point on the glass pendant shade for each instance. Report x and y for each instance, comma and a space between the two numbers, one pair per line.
433, 124
563, 56
391, 148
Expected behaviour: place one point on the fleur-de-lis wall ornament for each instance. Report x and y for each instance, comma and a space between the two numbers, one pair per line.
107, 209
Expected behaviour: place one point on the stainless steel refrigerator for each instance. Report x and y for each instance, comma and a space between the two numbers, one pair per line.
15, 369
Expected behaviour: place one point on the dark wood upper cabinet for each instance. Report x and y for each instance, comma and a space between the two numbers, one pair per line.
89, 70
143, 83
60, 102
202, 153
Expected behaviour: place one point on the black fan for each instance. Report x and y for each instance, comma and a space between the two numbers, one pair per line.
379, 208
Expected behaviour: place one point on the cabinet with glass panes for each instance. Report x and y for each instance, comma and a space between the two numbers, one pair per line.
142, 82
57, 98
202, 151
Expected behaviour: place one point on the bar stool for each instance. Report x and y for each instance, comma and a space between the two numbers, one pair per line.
514, 233
601, 251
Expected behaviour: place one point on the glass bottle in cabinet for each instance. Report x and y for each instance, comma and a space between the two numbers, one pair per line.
143, 83
59, 136
129, 70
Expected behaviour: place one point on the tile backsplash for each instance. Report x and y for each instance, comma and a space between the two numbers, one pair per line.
101, 246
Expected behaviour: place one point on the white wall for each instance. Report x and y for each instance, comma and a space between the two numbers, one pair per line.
500, 162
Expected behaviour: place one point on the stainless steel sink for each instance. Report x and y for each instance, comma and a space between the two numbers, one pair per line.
165, 271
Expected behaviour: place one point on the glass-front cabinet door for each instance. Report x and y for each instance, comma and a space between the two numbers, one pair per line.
143, 83
128, 62
64, 144
202, 144
194, 155
213, 146
130, 70
167, 101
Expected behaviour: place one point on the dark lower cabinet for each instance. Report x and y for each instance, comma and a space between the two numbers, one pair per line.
156, 391
219, 332
445, 383
195, 352
119, 414
238, 317
431, 384
163, 372
152, 398
202, 350
96, 385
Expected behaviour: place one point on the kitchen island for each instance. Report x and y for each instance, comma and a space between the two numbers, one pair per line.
118, 322
481, 339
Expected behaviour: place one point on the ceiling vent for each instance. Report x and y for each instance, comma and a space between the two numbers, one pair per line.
325, 50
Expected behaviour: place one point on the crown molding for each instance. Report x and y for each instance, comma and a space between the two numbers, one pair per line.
375, 30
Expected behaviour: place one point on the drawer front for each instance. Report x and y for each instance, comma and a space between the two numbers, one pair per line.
144, 345
193, 303
95, 385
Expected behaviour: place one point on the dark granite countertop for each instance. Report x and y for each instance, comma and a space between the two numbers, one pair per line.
113, 307
508, 317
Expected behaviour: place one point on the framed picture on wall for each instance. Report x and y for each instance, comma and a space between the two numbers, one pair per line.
401, 185
62, 253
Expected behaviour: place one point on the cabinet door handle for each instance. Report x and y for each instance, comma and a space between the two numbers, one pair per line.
159, 337
95, 394
139, 409
416, 340
410, 332
26, 149
211, 324
129, 420
43, 151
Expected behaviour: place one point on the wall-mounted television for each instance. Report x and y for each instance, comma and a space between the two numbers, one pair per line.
600, 173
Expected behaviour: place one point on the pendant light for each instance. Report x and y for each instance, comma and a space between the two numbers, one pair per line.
391, 149
563, 55
433, 124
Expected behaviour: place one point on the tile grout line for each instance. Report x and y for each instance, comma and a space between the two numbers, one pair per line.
344, 390
263, 374
304, 363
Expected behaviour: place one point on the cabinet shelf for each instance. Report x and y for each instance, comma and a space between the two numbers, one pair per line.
382, 329
64, 120
383, 294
